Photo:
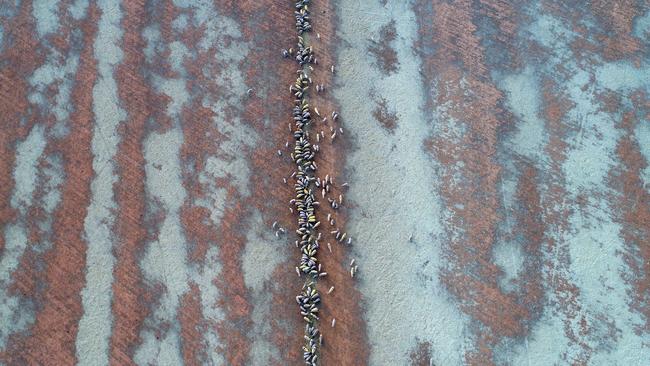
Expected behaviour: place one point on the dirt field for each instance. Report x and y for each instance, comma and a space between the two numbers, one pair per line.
496, 154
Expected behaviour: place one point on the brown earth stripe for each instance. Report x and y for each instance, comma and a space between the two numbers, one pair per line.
556, 211
51, 340
474, 205
130, 297
269, 28
23, 51
633, 206
193, 327
347, 343
234, 295
531, 227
